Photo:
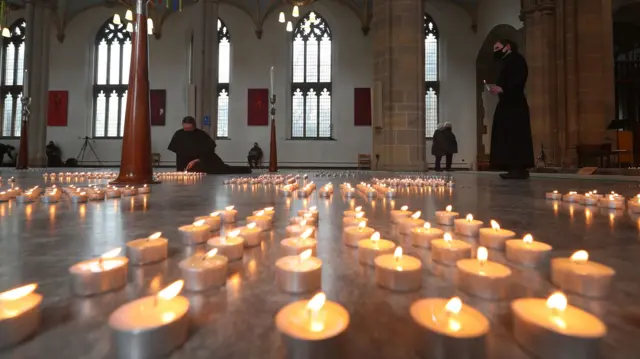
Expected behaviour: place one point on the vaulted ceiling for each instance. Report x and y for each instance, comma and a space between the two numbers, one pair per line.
258, 10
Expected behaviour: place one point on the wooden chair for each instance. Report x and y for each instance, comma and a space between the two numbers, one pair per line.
364, 161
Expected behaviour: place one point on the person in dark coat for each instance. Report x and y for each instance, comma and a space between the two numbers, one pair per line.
444, 144
54, 155
196, 151
7, 150
511, 142
255, 155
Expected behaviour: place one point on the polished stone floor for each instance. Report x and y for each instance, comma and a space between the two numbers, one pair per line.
38, 243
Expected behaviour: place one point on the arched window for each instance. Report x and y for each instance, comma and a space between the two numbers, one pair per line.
12, 79
431, 75
113, 56
224, 68
311, 87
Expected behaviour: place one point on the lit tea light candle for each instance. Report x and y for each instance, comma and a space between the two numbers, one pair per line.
153, 326
354, 221
251, 234
555, 195
144, 189
213, 220
398, 214
352, 235
195, 233
577, 274
352, 213
294, 230
449, 251
495, 236
589, 199
633, 204
148, 250
306, 217
527, 252
99, 275
370, 249
79, 197
230, 246
450, 328
113, 192
398, 272
311, 328
553, 329
19, 314
612, 201
295, 245
405, 225
313, 211
422, 236
202, 272
129, 191
229, 215
299, 274
468, 227
446, 217
5, 196
261, 220
572, 197
483, 278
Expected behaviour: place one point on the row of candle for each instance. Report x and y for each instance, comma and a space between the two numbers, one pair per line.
593, 198
415, 182
76, 194
264, 179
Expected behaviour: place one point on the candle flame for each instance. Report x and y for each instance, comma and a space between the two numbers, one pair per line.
155, 235
305, 255
359, 209
448, 238
214, 214
268, 209
359, 214
111, 254
427, 225
313, 208
362, 224
303, 223
17, 293
317, 302
580, 256
171, 291
495, 225
251, 225
260, 213
469, 217
449, 208
375, 237
557, 302
454, 305
416, 215
234, 233
573, 192
397, 254
404, 208
229, 208
198, 223
555, 192
482, 255
83, 193
306, 234
212, 253
307, 216
528, 239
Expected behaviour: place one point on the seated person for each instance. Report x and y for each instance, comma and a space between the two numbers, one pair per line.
54, 155
7, 150
255, 156
196, 151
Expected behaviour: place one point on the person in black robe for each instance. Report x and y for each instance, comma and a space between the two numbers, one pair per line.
255, 156
511, 142
196, 151
444, 144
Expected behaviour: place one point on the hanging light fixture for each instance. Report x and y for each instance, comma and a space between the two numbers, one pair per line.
289, 26
117, 20
150, 26
296, 11
3, 20
281, 19
129, 15
130, 27
6, 32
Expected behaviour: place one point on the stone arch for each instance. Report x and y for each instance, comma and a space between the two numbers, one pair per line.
487, 69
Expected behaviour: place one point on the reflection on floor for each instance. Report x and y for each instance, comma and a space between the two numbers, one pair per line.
38, 243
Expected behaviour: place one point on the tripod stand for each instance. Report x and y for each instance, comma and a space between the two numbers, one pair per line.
83, 151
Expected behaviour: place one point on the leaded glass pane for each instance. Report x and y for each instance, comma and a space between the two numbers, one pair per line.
123, 112
431, 111
311, 114
325, 114
297, 119
298, 60
114, 64
7, 115
223, 114
431, 58
126, 61
113, 115
102, 61
325, 59
9, 64
312, 61
20, 66
101, 114
17, 116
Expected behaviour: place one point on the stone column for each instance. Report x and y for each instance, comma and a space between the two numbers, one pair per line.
38, 34
398, 40
208, 81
